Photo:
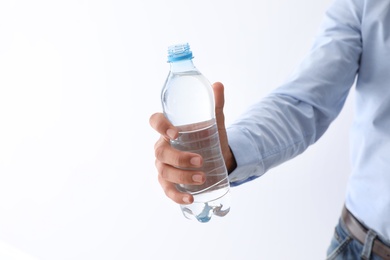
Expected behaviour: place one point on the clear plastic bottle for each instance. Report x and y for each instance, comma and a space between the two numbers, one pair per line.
188, 103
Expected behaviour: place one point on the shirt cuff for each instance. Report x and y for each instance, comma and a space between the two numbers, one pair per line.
247, 156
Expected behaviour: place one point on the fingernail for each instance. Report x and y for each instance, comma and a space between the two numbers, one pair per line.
195, 161
197, 178
171, 133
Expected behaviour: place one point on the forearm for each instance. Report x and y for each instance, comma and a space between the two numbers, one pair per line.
296, 114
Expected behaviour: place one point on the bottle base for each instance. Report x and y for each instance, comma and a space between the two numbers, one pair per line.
203, 211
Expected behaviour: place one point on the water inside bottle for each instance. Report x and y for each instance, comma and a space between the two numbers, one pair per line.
212, 197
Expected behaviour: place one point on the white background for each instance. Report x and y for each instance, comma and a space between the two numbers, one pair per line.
78, 82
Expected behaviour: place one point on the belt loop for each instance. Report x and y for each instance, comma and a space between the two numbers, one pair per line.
369, 241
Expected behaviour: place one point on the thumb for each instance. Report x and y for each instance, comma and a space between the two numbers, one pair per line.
220, 117
219, 100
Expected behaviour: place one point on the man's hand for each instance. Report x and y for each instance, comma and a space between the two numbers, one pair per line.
171, 162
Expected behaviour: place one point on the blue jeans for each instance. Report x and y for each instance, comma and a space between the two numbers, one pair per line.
344, 247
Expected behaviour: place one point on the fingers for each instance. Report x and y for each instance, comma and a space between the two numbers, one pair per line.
171, 192
177, 167
162, 125
168, 155
170, 176
178, 176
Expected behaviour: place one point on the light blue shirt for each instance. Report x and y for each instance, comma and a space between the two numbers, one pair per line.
353, 44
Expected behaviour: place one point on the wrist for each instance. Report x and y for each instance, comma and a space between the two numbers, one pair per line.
230, 161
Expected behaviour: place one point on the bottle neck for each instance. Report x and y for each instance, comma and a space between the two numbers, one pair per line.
182, 65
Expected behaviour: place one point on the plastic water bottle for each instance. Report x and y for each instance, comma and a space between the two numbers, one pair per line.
188, 103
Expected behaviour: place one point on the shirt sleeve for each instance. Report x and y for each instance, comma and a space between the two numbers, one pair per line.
296, 114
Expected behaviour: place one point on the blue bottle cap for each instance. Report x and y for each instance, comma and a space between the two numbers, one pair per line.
179, 52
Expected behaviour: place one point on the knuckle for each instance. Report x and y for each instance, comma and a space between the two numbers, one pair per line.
152, 119
158, 165
159, 151
183, 178
180, 159
163, 173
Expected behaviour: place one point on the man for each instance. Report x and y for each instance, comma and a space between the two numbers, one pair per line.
354, 44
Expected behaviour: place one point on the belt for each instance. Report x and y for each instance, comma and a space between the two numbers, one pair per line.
359, 232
